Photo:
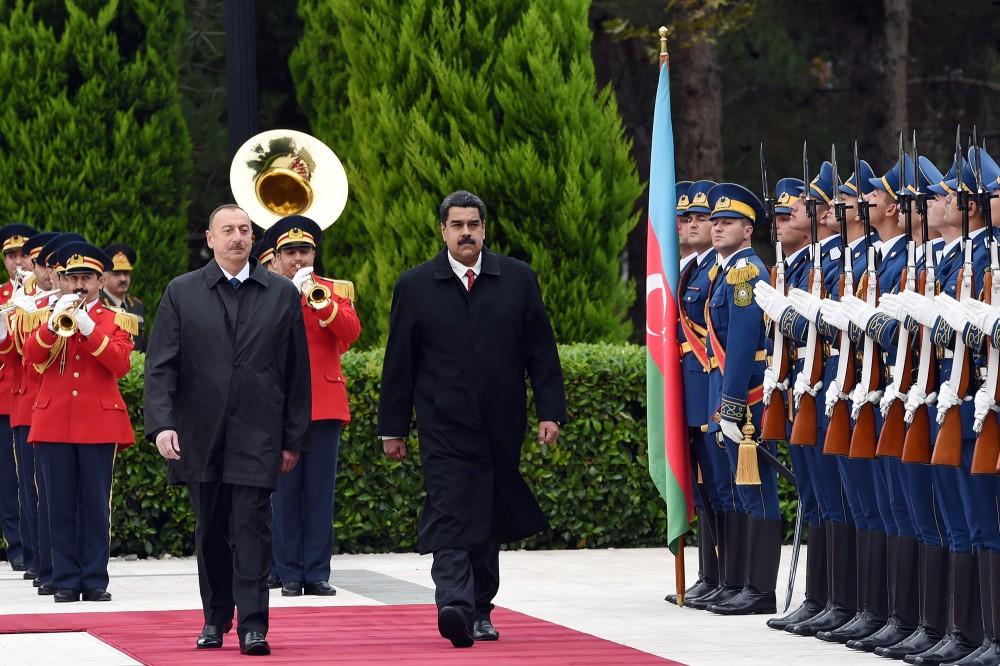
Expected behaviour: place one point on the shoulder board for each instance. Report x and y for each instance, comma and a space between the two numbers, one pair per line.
343, 288
742, 271
125, 321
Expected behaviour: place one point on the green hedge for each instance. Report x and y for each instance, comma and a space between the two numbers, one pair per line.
593, 484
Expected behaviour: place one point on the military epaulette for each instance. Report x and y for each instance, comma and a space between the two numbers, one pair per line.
32, 320
124, 320
742, 271
344, 289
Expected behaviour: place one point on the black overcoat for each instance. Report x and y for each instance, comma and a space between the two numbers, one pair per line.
228, 369
461, 359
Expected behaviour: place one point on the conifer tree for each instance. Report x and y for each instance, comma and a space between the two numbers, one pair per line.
93, 136
495, 96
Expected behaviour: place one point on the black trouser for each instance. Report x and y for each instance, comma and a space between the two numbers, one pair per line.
27, 495
233, 574
467, 580
10, 522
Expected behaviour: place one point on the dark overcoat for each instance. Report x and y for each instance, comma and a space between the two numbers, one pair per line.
461, 359
228, 369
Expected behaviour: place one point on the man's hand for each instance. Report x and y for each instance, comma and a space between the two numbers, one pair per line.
770, 301
394, 448
548, 432
84, 323
731, 430
168, 445
288, 460
302, 276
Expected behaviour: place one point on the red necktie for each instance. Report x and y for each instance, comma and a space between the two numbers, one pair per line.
470, 278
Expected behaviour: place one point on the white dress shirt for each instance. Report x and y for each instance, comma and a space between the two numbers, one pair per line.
461, 269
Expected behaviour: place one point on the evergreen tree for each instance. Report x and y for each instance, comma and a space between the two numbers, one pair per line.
498, 97
93, 136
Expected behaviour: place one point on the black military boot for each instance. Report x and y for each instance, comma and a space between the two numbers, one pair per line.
904, 597
966, 628
757, 597
848, 557
708, 562
985, 653
990, 656
933, 605
872, 615
732, 574
817, 587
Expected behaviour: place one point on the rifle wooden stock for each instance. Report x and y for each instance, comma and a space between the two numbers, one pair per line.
864, 441
890, 440
774, 423
804, 429
917, 445
986, 455
838, 431
948, 445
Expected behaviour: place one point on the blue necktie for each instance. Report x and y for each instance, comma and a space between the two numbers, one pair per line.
235, 282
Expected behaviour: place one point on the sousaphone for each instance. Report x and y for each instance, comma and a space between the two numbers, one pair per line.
283, 172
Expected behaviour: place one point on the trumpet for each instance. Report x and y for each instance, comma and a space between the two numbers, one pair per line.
65, 323
317, 295
10, 307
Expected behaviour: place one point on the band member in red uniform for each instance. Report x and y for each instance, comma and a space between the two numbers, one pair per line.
21, 557
303, 501
80, 419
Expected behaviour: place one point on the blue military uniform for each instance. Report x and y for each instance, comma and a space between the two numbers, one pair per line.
737, 346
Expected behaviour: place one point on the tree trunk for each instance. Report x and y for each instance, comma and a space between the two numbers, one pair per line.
896, 40
696, 95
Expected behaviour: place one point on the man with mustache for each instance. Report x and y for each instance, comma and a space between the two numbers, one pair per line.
466, 329
117, 282
228, 401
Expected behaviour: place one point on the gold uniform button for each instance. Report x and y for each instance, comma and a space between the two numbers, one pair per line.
76, 358
76, 375
75, 393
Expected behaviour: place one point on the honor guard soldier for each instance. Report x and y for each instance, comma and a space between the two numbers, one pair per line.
303, 500
683, 248
80, 419
12, 240
714, 496
117, 282
738, 354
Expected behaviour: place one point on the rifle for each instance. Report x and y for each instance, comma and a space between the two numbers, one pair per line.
987, 451
890, 441
948, 445
838, 430
804, 428
773, 424
863, 441
917, 444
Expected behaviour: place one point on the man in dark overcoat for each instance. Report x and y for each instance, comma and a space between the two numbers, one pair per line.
227, 401
466, 329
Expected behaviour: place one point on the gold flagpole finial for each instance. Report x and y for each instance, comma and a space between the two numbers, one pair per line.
664, 31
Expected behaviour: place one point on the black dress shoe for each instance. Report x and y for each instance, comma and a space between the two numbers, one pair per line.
806, 611
483, 630
320, 588
47, 589
210, 638
273, 582
891, 634
30, 574
254, 644
96, 594
291, 588
36, 582
858, 628
17, 564
719, 595
747, 602
699, 589
65, 595
921, 640
451, 624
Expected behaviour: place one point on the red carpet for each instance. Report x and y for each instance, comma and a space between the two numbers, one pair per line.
338, 635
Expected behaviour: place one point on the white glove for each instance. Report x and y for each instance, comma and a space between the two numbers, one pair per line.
946, 399
770, 301
888, 397
984, 403
952, 312
891, 305
804, 303
919, 307
914, 399
84, 323
4, 327
833, 314
833, 395
731, 431
859, 396
770, 383
859, 312
982, 316
26, 303
301, 277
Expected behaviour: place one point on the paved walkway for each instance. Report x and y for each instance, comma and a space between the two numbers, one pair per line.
613, 594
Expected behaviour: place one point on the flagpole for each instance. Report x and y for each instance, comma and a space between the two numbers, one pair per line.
679, 557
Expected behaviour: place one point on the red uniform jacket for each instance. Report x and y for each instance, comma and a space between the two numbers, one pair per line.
7, 378
82, 405
26, 380
330, 332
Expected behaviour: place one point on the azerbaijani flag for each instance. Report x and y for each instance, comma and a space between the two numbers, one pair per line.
669, 455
